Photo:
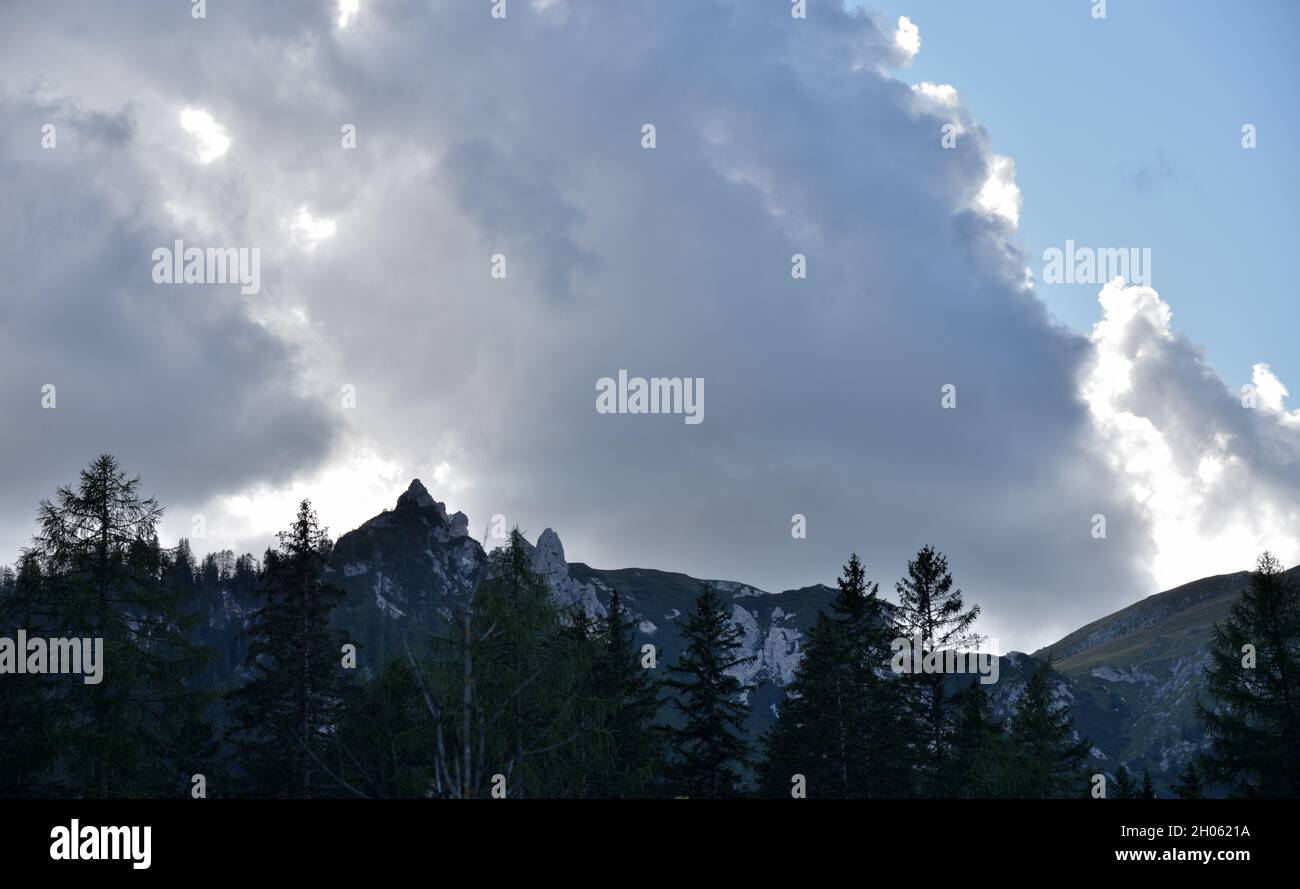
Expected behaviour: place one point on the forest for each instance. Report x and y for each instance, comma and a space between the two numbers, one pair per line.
516, 697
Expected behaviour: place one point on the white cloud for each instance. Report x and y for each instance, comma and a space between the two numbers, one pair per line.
1217, 482
210, 137
346, 10
307, 230
939, 94
1273, 394
907, 38
1000, 195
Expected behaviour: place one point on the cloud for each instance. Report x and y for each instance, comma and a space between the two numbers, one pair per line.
210, 137
1218, 480
179, 382
1273, 394
907, 38
938, 95
774, 137
307, 231
346, 10
1000, 195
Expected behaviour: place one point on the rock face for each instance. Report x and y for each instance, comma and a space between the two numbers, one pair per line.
409, 562
405, 569
548, 561
418, 497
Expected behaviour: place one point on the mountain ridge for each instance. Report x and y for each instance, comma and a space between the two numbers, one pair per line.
1131, 678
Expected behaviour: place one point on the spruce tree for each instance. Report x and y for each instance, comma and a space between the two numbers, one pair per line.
1045, 761
1148, 789
710, 751
1253, 681
842, 724
285, 715
629, 755
1189, 783
975, 769
818, 729
879, 718
931, 611
1124, 787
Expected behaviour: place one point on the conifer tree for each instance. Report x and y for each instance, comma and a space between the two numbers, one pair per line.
1125, 787
285, 715
502, 689
1189, 783
975, 769
1045, 760
880, 717
528, 671
1253, 681
104, 576
630, 753
932, 611
382, 747
29, 724
1148, 789
816, 733
710, 751
842, 724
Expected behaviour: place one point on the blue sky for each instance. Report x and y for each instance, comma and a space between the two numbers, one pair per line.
1126, 132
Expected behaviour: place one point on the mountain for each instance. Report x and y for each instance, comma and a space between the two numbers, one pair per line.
1136, 674
403, 569
1131, 678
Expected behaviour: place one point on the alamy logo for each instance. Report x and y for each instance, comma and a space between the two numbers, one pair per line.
72, 656
76, 843
657, 395
213, 265
911, 656
1096, 265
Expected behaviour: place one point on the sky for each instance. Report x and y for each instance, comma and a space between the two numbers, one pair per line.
1146, 106
461, 229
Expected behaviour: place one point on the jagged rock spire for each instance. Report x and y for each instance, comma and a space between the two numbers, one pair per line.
418, 497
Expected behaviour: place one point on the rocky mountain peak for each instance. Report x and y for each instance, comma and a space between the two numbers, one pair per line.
417, 496
547, 559
550, 552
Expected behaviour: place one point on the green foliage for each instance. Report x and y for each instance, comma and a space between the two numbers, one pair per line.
626, 748
709, 749
1124, 786
30, 727
284, 716
932, 610
382, 749
1148, 789
1045, 762
1253, 724
842, 725
976, 768
557, 703
95, 570
1189, 784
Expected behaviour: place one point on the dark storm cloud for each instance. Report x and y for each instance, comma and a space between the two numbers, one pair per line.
179, 383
